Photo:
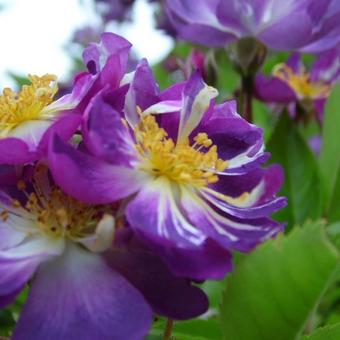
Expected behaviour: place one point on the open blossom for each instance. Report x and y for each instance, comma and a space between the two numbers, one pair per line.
81, 265
279, 24
26, 116
187, 171
30, 116
291, 84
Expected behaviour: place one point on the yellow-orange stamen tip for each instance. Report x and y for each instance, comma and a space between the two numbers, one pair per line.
21, 185
181, 163
28, 104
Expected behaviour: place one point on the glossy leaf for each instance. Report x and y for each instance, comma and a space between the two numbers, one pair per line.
333, 212
275, 289
188, 330
330, 151
302, 185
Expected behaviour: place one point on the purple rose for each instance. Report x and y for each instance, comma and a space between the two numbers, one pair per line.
188, 172
89, 277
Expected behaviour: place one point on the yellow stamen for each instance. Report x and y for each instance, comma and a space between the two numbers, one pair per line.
28, 104
301, 82
60, 215
181, 163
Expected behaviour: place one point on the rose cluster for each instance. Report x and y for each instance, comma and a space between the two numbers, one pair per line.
119, 196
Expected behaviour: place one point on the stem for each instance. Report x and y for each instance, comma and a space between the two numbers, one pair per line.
168, 329
247, 97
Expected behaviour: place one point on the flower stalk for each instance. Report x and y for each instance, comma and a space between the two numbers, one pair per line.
168, 329
246, 98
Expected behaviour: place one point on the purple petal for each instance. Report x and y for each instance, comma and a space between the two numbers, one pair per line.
18, 264
238, 141
105, 135
290, 32
8, 175
15, 274
198, 23
168, 294
87, 178
143, 92
315, 144
295, 62
327, 67
196, 101
82, 84
273, 90
116, 97
255, 211
170, 122
173, 92
65, 127
231, 232
154, 214
77, 296
326, 32
207, 262
236, 185
319, 105
21, 154
96, 56
8, 299
9, 237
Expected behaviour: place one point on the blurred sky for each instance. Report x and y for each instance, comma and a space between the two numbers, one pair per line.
34, 34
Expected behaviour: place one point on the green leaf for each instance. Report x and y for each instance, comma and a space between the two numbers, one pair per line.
275, 289
330, 152
263, 117
326, 333
303, 184
189, 330
333, 213
333, 231
214, 290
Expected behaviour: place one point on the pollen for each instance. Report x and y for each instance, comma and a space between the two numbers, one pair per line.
301, 83
196, 164
59, 215
28, 104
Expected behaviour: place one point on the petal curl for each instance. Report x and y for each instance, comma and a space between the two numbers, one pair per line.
90, 179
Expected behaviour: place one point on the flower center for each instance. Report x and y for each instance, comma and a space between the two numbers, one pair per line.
183, 163
59, 215
28, 104
301, 83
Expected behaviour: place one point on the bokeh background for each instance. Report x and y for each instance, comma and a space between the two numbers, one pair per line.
42, 36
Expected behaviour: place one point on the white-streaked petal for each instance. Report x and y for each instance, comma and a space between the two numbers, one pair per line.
163, 107
10, 237
244, 158
37, 246
31, 131
191, 116
127, 79
246, 200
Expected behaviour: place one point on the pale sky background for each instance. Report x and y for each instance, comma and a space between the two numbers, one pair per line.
33, 35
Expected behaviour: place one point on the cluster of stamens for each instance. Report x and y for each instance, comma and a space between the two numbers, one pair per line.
182, 163
301, 83
57, 214
18, 107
